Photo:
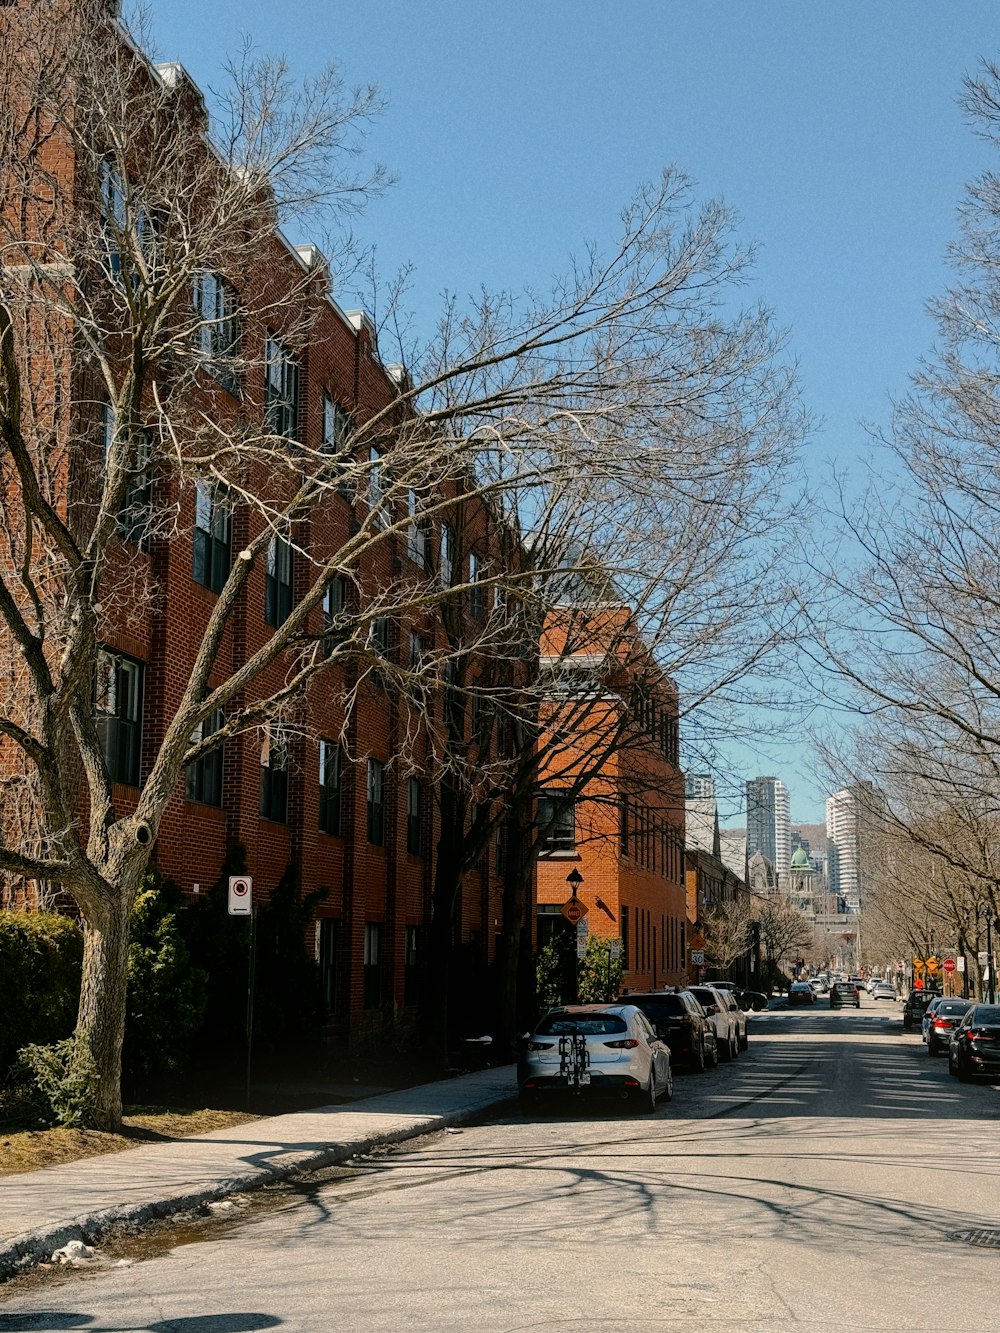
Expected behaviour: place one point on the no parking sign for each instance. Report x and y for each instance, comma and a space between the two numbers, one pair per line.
240, 895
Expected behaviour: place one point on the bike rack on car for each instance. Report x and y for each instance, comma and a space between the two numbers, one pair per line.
574, 1060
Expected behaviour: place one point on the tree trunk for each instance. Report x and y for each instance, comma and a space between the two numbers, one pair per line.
101, 1016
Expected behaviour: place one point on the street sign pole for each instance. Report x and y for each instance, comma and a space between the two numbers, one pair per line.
251, 975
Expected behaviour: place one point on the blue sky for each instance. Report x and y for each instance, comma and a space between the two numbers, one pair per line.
519, 129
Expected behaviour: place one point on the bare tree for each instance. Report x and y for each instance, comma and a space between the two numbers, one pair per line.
726, 929
132, 236
785, 933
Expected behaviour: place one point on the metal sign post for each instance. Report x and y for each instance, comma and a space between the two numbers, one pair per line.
241, 904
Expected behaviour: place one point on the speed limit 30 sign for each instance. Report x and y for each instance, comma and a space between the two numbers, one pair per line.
240, 895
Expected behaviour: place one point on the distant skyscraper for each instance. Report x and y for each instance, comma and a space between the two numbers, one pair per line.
698, 786
848, 813
769, 824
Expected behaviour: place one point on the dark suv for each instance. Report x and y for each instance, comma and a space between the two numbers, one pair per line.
915, 1004
680, 1021
844, 992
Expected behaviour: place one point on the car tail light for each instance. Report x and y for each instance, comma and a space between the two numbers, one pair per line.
540, 1045
626, 1043
942, 1022
981, 1034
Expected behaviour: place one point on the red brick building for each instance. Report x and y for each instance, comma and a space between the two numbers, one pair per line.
611, 786
339, 777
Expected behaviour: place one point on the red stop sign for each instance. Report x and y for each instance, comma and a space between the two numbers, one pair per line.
949, 964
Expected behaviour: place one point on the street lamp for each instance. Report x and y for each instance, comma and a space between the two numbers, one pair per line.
988, 918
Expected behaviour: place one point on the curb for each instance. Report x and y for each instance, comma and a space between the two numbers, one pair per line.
21, 1253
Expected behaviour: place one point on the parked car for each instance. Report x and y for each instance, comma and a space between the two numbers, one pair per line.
914, 1005
946, 1017
883, 990
928, 1014
819, 985
746, 999
844, 992
800, 992
724, 1014
595, 1049
974, 1049
679, 1020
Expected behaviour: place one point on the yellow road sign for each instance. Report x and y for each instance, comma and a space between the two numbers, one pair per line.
696, 941
932, 964
918, 964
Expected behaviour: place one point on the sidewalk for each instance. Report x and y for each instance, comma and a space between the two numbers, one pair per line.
42, 1210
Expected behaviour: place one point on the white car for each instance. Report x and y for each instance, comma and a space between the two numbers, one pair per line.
882, 990
595, 1049
725, 1016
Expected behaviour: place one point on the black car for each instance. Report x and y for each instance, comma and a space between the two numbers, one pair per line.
844, 992
974, 1050
746, 999
679, 1020
942, 1023
915, 1004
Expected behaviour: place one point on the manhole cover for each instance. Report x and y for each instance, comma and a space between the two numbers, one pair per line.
978, 1236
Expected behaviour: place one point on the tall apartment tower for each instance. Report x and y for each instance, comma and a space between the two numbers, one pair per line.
844, 817
769, 823
699, 786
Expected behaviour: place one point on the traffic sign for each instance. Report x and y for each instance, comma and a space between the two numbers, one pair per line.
697, 941
918, 964
615, 949
240, 895
932, 964
574, 910
949, 965
697, 958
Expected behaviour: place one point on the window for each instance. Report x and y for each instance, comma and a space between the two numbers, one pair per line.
329, 955
137, 503
329, 787
477, 599
334, 604
113, 215
623, 826
217, 333
376, 489
336, 425
378, 636
278, 582
376, 803
416, 532
212, 529
281, 389
623, 917
274, 774
372, 970
447, 554
418, 652
557, 817
414, 822
118, 714
203, 778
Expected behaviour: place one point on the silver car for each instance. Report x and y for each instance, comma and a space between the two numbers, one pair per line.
595, 1049
724, 1014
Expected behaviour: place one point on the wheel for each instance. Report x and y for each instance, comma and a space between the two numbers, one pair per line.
745, 1041
726, 1050
951, 1068
667, 1095
931, 1046
713, 1059
644, 1101
734, 1047
963, 1074
698, 1060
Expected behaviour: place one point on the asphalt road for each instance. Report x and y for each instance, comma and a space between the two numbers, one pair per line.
814, 1182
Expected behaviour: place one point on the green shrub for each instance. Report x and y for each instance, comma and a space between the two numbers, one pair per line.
167, 993
40, 959
600, 975
66, 1079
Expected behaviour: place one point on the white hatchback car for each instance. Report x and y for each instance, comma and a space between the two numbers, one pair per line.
595, 1049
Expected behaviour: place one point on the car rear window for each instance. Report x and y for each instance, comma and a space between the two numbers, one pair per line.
704, 996
987, 1013
587, 1025
667, 1006
952, 1007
